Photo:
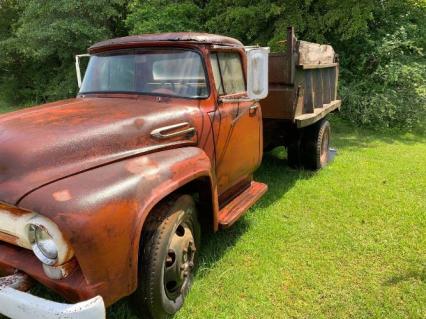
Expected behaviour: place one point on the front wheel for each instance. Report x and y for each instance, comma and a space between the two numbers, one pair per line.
169, 251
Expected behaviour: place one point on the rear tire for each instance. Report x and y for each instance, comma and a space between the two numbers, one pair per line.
168, 256
316, 143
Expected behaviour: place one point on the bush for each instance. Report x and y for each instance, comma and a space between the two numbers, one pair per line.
392, 92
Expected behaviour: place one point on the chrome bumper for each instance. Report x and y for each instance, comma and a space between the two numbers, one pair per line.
16, 304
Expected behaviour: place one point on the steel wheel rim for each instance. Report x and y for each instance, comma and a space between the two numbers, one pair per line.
179, 262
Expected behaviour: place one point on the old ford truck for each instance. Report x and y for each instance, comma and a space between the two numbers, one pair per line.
106, 195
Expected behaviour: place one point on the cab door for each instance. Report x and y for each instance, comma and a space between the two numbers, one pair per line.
236, 122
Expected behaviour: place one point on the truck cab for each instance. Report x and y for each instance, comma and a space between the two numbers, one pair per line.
107, 195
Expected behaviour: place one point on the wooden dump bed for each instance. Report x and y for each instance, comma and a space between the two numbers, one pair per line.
302, 82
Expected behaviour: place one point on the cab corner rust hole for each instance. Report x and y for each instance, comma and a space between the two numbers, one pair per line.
171, 258
180, 231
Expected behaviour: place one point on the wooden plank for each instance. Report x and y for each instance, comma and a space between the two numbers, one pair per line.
326, 86
308, 94
308, 119
318, 89
318, 66
333, 84
336, 81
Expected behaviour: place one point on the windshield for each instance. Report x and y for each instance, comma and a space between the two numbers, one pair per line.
149, 71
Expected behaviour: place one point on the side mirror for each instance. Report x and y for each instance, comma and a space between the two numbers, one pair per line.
257, 72
77, 67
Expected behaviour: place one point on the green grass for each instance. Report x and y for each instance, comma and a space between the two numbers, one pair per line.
348, 241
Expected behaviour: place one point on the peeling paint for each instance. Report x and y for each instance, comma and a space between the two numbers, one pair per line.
62, 196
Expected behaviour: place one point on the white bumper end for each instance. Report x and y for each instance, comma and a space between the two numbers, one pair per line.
20, 305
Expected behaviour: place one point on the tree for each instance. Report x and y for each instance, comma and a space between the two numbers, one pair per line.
39, 50
151, 16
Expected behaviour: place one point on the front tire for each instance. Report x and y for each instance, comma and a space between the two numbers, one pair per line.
169, 250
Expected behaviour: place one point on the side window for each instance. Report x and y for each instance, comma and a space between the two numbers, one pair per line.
228, 72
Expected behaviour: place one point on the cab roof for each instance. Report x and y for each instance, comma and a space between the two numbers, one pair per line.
191, 37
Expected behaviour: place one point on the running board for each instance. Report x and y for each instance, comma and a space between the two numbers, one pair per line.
240, 204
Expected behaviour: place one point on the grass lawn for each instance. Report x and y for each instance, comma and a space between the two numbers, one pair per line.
348, 241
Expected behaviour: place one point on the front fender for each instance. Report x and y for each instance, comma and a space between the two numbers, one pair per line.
101, 211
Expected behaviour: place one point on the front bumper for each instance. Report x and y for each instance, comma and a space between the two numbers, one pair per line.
16, 304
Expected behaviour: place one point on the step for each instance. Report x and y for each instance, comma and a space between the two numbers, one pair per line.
240, 204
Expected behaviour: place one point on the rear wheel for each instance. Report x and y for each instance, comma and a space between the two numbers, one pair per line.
316, 143
170, 244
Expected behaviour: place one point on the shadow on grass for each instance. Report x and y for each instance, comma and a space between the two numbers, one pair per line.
407, 276
280, 178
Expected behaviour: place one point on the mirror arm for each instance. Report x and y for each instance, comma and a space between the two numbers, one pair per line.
77, 67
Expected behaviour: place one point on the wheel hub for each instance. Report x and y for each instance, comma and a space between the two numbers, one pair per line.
179, 262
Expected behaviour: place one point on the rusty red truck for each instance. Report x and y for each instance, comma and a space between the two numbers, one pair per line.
107, 195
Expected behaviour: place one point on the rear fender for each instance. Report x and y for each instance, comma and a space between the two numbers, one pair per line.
101, 212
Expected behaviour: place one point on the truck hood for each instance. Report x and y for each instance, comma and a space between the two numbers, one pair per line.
43, 144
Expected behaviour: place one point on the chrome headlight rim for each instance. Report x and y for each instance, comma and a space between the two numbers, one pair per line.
62, 249
40, 253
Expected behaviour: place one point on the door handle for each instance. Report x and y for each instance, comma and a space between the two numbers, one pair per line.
253, 108
161, 132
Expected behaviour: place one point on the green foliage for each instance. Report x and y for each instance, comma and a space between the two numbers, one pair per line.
37, 49
248, 21
163, 16
381, 43
394, 93
384, 80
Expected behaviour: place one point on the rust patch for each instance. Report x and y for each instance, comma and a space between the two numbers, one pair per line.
8, 238
13, 210
17, 281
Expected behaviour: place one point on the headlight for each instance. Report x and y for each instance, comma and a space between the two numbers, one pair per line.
47, 242
43, 245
